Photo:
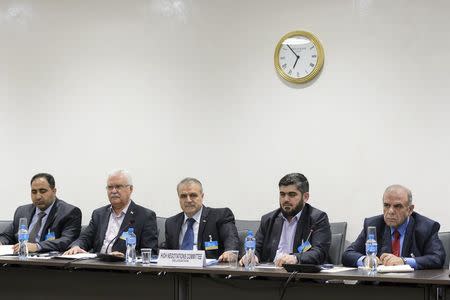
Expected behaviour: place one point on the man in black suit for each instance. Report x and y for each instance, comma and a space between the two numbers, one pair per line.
106, 232
403, 236
296, 232
54, 224
199, 227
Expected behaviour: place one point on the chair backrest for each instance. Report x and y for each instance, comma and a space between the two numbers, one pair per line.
4, 225
161, 223
445, 239
336, 248
336, 228
242, 226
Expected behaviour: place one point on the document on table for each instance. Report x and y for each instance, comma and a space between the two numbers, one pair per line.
267, 266
336, 269
394, 269
77, 256
6, 250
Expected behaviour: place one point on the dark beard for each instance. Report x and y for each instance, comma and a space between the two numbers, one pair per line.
292, 212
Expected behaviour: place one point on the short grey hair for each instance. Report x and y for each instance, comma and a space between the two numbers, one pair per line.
187, 181
396, 187
124, 173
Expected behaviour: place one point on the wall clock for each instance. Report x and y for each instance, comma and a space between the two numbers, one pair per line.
298, 56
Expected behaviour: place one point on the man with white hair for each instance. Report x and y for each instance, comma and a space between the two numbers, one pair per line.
104, 234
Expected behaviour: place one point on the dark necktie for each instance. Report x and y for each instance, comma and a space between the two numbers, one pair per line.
36, 228
188, 239
396, 243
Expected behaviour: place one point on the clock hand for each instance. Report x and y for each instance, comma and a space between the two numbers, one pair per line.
296, 62
297, 56
292, 50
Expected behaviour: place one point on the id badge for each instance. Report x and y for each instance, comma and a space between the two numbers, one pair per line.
50, 236
305, 246
211, 245
124, 235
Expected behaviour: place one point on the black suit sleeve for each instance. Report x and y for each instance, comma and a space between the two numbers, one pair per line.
8, 237
320, 241
87, 236
260, 237
227, 231
433, 256
149, 234
70, 230
355, 250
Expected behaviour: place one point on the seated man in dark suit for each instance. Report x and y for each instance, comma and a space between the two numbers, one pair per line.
105, 232
199, 227
53, 223
296, 232
403, 236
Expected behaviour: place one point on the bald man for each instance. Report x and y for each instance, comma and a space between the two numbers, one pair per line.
403, 236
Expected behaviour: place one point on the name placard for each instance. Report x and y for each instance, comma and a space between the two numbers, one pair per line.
181, 258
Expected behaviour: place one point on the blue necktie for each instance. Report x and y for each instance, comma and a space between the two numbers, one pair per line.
188, 239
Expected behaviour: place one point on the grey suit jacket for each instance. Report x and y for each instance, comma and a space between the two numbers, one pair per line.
312, 220
421, 242
64, 220
215, 222
143, 221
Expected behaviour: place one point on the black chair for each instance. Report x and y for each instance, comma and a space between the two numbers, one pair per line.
4, 225
242, 227
161, 224
445, 239
336, 248
336, 229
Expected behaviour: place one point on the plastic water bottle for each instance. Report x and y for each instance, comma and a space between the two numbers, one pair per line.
23, 240
130, 256
371, 250
250, 245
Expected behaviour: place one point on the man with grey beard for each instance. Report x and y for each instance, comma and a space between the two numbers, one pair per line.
296, 232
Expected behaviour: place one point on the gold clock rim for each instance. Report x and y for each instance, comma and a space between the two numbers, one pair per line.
320, 56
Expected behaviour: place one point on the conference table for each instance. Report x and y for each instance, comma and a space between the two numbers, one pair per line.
37, 278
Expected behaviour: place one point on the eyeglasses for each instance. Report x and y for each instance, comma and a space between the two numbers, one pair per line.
118, 187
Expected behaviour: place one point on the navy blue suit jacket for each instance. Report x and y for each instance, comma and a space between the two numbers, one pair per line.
421, 242
215, 222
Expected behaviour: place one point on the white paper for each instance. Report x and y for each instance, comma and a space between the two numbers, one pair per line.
6, 250
394, 269
267, 266
78, 256
336, 269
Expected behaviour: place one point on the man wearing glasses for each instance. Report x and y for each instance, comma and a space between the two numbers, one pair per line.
105, 232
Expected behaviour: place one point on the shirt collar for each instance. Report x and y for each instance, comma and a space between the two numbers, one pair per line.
123, 212
402, 228
295, 218
47, 210
196, 217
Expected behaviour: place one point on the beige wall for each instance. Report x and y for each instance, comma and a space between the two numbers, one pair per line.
175, 88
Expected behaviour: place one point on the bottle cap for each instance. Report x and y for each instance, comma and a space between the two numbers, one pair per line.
250, 232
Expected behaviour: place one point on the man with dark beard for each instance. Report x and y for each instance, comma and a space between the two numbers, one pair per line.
296, 232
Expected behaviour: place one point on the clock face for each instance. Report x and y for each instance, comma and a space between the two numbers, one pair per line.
298, 57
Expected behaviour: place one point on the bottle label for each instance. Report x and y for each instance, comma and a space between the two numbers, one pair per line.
250, 244
131, 240
371, 248
23, 237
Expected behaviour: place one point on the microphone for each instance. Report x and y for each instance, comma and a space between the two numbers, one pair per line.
108, 257
310, 232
